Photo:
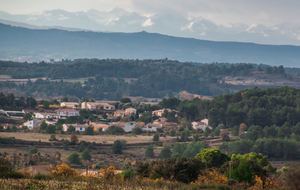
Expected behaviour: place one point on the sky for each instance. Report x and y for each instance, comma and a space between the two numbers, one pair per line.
222, 12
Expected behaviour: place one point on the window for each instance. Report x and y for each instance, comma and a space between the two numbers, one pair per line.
71, 113
80, 128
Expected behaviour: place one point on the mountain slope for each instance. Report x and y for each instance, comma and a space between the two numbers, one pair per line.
53, 43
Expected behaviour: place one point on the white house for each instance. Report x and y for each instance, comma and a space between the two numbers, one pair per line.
39, 115
69, 104
97, 106
30, 124
78, 127
199, 125
150, 127
64, 113
130, 111
129, 126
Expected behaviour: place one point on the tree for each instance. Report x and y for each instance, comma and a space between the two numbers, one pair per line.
74, 158
13, 129
46, 104
104, 115
156, 137
81, 147
117, 147
235, 131
217, 132
207, 131
185, 135
71, 128
149, 151
43, 125
55, 102
212, 157
137, 130
50, 129
86, 155
224, 136
125, 100
73, 138
27, 117
113, 129
33, 150
285, 130
65, 99
89, 130
52, 137
172, 133
178, 149
165, 152
65, 144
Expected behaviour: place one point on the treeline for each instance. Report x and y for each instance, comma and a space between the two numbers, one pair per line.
152, 78
262, 107
10, 101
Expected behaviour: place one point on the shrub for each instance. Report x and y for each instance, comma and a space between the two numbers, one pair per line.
86, 155
149, 151
74, 158
43, 125
40, 176
185, 135
64, 171
13, 129
127, 174
212, 157
114, 129
52, 137
71, 128
174, 169
137, 130
196, 137
89, 130
165, 152
108, 173
66, 144
33, 150
50, 129
156, 137
117, 147
73, 139
172, 133
235, 131
81, 147
4, 165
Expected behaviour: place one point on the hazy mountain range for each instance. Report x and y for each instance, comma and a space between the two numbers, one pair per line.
169, 23
23, 44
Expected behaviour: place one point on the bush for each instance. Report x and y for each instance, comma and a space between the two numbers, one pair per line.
73, 139
52, 137
43, 125
127, 174
50, 129
33, 150
212, 157
156, 137
40, 176
172, 133
89, 130
137, 130
71, 128
66, 144
115, 129
173, 169
81, 147
117, 147
64, 171
86, 155
74, 158
185, 135
149, 151
235, 131
13, 129
165, 152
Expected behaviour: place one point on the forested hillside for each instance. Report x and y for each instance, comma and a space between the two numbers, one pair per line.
112, 79
25, 44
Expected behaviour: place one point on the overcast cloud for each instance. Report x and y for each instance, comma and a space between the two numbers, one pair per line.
260, 21
267, 12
